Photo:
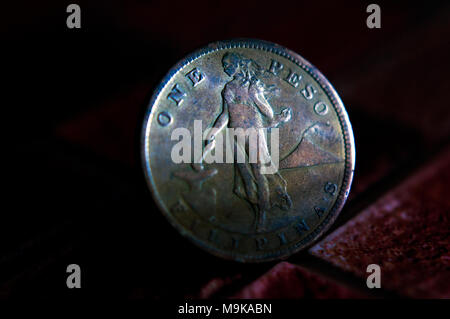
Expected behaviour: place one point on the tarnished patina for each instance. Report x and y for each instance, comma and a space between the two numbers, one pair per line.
235, 209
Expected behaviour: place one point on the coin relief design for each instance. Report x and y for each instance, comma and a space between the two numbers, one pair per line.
236, 208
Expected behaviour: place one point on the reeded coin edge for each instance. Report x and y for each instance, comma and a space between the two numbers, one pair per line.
345, 126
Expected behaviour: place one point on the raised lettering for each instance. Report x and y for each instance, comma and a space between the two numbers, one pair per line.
330, 188
308, 92
293, 79
177, 94
275, 67
164, 118
321, 108
260, 243
301, 227
282, 238
195, 76
319, 211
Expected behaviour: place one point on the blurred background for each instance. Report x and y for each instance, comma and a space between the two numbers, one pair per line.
73, 108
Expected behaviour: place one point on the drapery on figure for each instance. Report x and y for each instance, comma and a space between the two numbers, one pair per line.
245, 106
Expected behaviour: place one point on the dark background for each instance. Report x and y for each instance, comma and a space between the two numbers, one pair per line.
73, 106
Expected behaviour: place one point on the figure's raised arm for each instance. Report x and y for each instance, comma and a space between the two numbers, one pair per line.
261, 102
265, 108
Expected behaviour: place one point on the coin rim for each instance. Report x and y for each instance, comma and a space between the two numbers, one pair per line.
346, 127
